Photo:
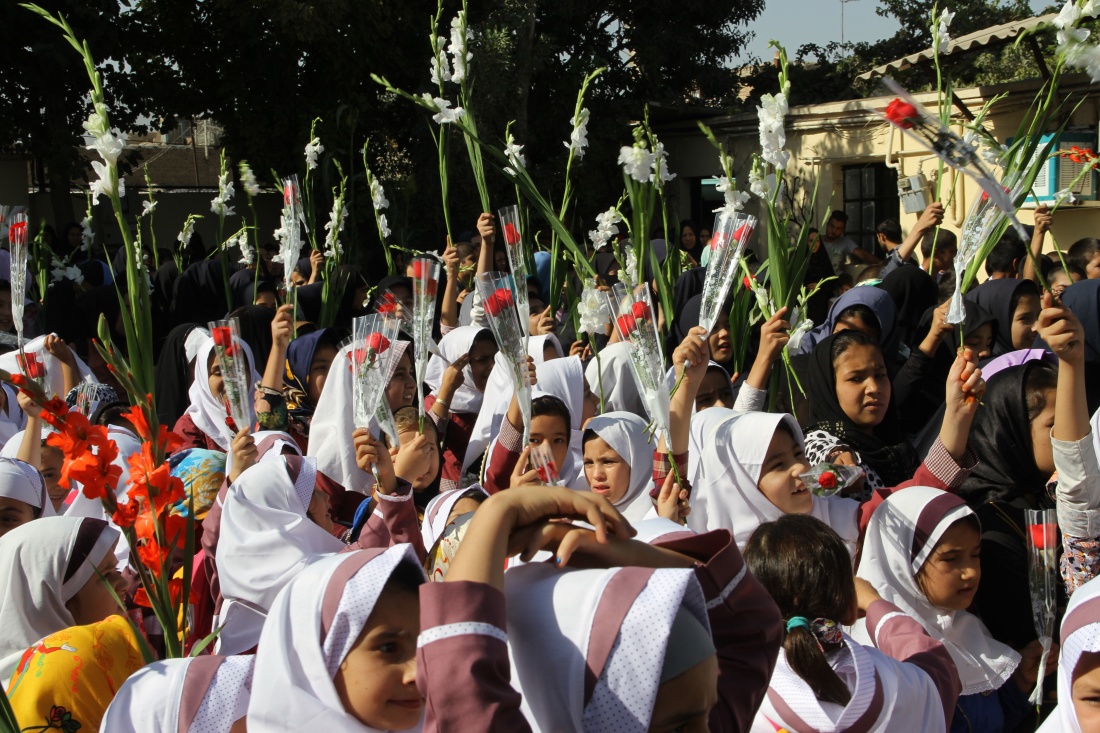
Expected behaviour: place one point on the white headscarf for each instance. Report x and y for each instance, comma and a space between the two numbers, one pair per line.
42, 566
204, 694
12, 417
726, 493
671, 377
206, 411
625, 432
313, 624
893, 553
887, 695
55, 377
498, 395
555, 635
265, 540
22, 481
439, 510
467, 398
334, 421
620, 390
1080, 634
564, 379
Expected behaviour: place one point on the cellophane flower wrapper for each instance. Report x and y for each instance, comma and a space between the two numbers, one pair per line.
498, 300
1043, 549
294, 216
928, 131
391, 305
634, 321
425, 283
17, 237
517, 261
384, 416
33, 367
543, 462
727, 245
827, 479
236, 373
373, 337
983, 218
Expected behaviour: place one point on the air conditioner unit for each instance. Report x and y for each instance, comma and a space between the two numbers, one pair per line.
1058, 173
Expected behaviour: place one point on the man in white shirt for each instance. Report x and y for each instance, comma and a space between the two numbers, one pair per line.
840, 246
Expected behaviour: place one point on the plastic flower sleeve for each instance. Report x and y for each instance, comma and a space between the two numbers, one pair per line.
634, 321
384, 416
33, 367
425, 283
827, 479
236, 373
517, 261
727, 244
292, 217
542, 460
984, 216
500, 309
372, 337
391, 306
1043, 549
17, 237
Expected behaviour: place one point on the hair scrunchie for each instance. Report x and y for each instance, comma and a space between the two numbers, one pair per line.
824, 630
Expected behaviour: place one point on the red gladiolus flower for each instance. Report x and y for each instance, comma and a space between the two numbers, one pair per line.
223, 336
498, 301
136, 417
640, 310
827, 480
19, 380
1044, 536
901, 114
747, 283
56, 406
125, 514
378, 343
627, 324
511, 234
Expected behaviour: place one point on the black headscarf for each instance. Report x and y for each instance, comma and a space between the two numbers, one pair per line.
605, 263
885, 450
172, 376
244, 287
255, 324
996, 296
1001, 436
913, 291
200, 293
1083, 299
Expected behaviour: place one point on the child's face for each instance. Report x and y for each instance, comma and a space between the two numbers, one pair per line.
318, 370
980, 341
376, 681
401, 390
214, 377
320, 510
481, 362
607, 473
780, 481
549, 353
1092, 268
1041, 426
551, 432
714, 391
720, 340
1027, 312
267, 299
950, 576
51, 463
14, 513
862, 385
942, 259
1086, 691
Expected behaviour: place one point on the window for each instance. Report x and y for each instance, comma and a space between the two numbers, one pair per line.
870, 196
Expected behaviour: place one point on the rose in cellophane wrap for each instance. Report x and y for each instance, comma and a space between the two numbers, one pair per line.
499, 302
372, 336
827, 479
392, 306
425, 283
236, 372
33, 367
983, 218
517, 260
542, 460
17, 237
1043, 548
636, 325
293, 217
727, 244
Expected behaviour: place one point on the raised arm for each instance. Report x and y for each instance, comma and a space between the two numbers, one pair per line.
1043, 220
929, 219
448, 317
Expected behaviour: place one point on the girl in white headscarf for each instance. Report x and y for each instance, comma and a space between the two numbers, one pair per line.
446, 520
205, 694
204, 424
338, 653
1078, 665
633, 648
611, 375
48, 570
825, 680
618, 462
922, 555
458, 377
274, 523
23, 495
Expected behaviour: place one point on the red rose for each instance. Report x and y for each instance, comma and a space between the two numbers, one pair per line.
641, 310
547, 473
627, 324
421, 269
388, 304
827, 480
290, 192
31, 366
17, 232
378, 343
1044, 536
223, 336
744, 231
358, 356
511, 234
901, 114
498, 301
